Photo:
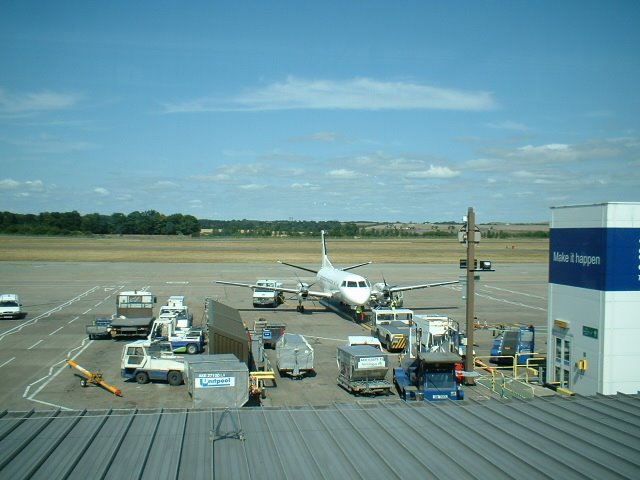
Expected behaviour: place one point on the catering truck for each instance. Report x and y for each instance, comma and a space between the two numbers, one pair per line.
134, 314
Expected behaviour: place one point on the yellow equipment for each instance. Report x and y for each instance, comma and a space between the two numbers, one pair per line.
95, 378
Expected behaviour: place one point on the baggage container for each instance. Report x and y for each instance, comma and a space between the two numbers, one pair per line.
363, 369
294, 355
217, 381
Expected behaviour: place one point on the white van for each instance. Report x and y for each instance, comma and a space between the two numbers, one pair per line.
10, 306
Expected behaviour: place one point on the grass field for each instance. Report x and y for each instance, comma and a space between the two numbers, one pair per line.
251, 250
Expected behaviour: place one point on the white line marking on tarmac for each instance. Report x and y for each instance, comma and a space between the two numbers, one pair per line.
514, 291
47, 379
8, 362
46, 314
56, 331
35, 344
73, 320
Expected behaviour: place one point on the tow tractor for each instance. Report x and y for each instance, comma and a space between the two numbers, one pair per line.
432, 368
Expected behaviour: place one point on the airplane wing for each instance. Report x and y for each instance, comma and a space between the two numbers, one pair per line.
303, 292
355, 266
424, 285
298, 266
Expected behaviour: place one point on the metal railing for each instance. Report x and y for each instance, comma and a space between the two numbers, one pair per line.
504, 380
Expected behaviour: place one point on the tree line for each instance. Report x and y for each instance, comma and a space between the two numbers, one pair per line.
72, 223
151, 222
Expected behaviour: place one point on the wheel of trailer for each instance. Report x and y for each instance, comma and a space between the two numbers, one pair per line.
388, 343
142, 378
174, 378
83, 382
192, 349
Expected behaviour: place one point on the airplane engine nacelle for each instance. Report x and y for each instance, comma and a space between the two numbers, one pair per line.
303, 289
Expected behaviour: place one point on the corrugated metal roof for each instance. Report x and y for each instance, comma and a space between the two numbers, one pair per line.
551, 437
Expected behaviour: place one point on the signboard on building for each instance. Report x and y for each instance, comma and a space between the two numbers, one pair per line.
605, 259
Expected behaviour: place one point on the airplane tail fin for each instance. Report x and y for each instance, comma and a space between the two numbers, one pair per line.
325, 258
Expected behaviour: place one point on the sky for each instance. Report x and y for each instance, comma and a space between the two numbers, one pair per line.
410, 111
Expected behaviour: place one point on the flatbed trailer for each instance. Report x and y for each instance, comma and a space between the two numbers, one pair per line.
131, 327
100, 329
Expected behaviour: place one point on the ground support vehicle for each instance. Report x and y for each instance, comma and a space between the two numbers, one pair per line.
363, 370
393, 335
143, 361
353, 340
88, 377
269, 333
181, 341
517, 342
294, 355
391, 326
264, 294
437, 333
134, 314
176, 308
10, 306
100, 329
430, 376
130, 327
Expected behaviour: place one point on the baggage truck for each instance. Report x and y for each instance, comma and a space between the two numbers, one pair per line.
363, 370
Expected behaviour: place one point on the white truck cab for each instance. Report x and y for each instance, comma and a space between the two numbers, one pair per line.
264, 294
10, 306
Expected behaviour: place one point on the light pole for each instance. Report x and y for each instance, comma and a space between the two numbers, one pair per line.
471, 255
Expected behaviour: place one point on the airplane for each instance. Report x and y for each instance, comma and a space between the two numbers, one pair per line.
339, 284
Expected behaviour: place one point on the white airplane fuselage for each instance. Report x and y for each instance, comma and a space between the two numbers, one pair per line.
348, 288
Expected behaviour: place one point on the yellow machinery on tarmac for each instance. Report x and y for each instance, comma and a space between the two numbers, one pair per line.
95, 378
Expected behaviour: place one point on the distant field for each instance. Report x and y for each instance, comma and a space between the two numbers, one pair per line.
306, 251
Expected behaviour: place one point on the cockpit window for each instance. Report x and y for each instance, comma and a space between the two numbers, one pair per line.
352, 284
362, 284
344, 283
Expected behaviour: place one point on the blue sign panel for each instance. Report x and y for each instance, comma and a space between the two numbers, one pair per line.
606, 259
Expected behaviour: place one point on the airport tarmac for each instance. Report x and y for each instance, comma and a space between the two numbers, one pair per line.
62, 298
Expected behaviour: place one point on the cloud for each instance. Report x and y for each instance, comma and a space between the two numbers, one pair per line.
322, 137
30, 185
343, 174
29, 103
9, 184
355, 94
103, 192
508, 125
434, 172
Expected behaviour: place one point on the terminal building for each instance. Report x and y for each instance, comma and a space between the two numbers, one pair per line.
594, 298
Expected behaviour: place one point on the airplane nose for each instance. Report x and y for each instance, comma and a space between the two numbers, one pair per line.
361, 296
